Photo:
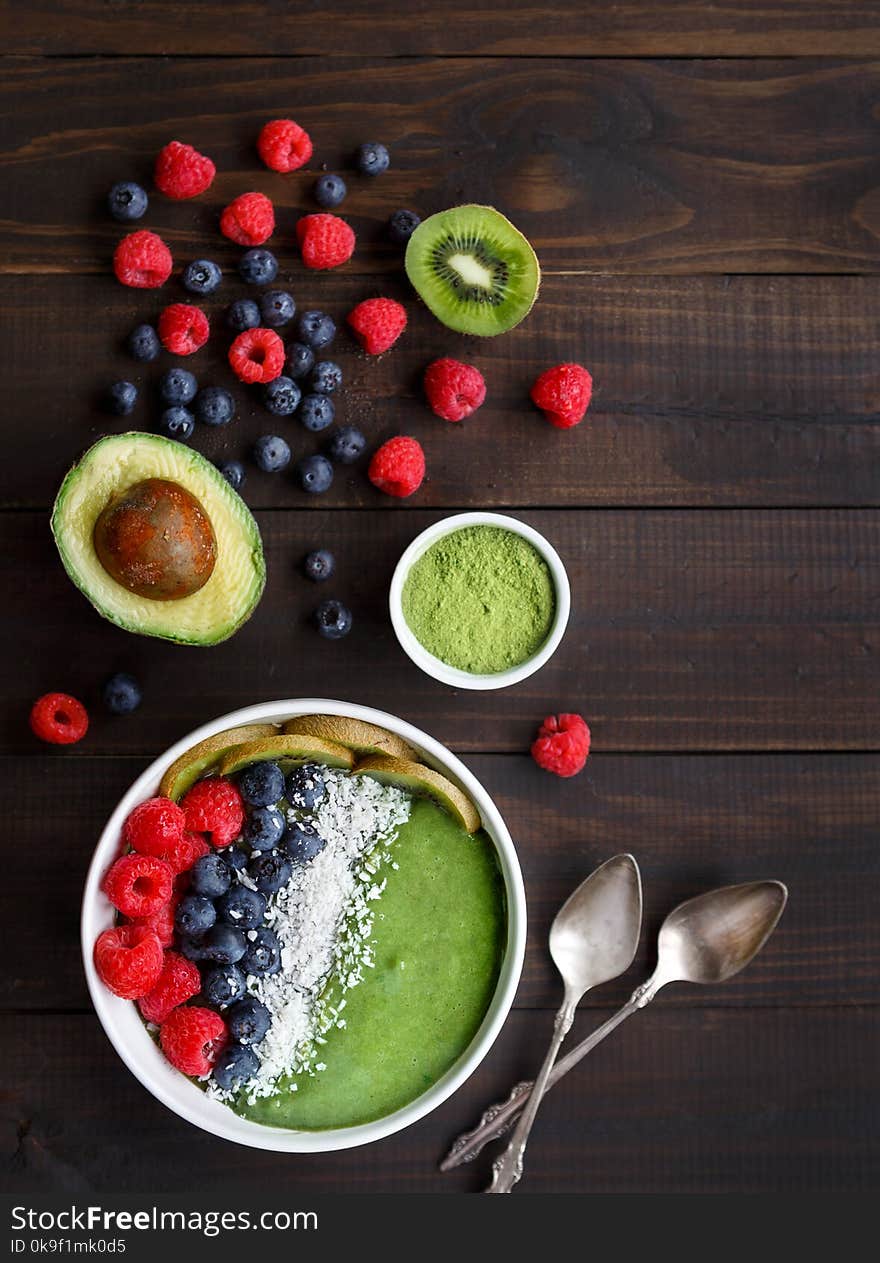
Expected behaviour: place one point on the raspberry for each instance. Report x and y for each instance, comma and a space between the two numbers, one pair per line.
214, 806
454, 390
182, 171
249, 220
183, 329
398, 466
562, 744
128, 959
138, 885
325, 241
257, 355
179, 980
191, 848
59, 719
563, 394
142, 260
283, 145
154, 827
192, 1039
377, 324
161, 923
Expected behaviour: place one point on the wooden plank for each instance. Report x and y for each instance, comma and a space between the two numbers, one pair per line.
692, 823
681, 1101
609, 166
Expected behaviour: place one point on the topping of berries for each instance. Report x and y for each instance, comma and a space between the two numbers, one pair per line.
325, 241
182, 171
249, 220
214, 806
154, 827
563, 394
192, 1039
183, 329
377, 323
142, 260
138, 885
161, 923
59, 719
128, 959
562, 744
284, 146
454, 390
257, 355
179, 980
235, 1065
398, 467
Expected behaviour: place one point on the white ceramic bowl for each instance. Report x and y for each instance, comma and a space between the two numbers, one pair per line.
441, 670
127, 1033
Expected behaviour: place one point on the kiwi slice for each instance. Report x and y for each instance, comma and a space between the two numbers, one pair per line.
186, 770
280, 746
419, 779
476, 272
361, 737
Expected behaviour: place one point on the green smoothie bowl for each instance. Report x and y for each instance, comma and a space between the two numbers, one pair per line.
304, 925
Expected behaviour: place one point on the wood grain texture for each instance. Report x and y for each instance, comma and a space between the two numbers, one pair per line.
608, 166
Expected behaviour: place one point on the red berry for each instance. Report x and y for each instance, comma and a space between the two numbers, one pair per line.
142, 260
325, 241
192, 847
59, 719
398, 467
154, 827
562, 744
182, 171
192, 1038
249, 220
283, 145
183, 329
179, 980
128, 959
138, 885
257, 355
563, 394
162, 922
214, 806
454, 390
377, 323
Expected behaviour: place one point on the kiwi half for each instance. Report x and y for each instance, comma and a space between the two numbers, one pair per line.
419, 779
299, 749
476, 272
186, 770
356, 734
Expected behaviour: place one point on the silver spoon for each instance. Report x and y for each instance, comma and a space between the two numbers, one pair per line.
704, 940
593, 938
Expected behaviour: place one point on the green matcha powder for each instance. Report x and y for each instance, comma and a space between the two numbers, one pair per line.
480, 599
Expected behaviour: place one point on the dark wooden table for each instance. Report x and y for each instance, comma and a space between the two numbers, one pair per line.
702, 184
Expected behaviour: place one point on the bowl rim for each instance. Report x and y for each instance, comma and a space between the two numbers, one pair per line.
436, 667
122, 1022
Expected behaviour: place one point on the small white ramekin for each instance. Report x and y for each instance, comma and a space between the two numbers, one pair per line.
441, 670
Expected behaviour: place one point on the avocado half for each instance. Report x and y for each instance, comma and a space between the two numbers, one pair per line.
116, 463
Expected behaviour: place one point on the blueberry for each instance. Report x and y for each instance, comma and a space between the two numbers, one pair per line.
223, 984
143, 344
258, 267
248, 1021
333, 619
192, 948
262, 955
317, 412
372, 158
319, 565
223, 944
325, 378
264, 827
235, 1065
402, 225
329, 190
242, 907
210, 876
270, 872
177, 423
202, 276
315, 474
236, 857
242, 314
195, 914
234, 473
300, 359
303, 842
214, 405
271, 453
316, 329
178, 385
261, 784
127, 201
347, 445
305, 786
277, 308
281, 397
121, 398
122, 694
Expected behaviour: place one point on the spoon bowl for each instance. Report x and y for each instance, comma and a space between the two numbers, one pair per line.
712, 937
595, 933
